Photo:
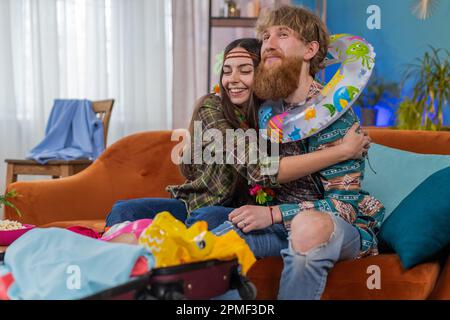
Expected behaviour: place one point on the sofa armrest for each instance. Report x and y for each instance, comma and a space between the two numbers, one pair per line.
136, 166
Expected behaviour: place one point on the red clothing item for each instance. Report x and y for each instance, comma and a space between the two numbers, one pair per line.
88, 232
141, 267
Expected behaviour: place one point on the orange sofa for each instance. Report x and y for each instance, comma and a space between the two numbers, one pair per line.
140, 166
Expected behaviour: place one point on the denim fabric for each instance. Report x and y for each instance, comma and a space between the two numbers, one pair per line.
145, 208
263, 243
148, 208
213, 215
304, 275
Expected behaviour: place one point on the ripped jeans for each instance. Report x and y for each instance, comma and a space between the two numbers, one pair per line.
304, 276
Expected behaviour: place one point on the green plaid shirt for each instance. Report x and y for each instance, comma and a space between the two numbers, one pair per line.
213, 184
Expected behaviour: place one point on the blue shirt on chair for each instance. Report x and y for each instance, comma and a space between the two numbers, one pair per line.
73, 132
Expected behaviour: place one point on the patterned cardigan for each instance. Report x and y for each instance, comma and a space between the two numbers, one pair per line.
341, 192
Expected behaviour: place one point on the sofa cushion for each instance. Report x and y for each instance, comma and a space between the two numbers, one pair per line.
348, 279
419, 227
442, 288
398, 173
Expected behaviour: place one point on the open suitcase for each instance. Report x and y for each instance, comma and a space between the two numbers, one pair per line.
194, 281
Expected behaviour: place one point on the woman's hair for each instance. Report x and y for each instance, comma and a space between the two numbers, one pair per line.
253, 46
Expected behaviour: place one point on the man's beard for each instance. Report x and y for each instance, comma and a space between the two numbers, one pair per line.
278, 82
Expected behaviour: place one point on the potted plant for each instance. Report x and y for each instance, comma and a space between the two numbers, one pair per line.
430, 76
11, 230
10, 195
377, 92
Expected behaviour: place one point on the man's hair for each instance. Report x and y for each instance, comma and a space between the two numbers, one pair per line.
306, 24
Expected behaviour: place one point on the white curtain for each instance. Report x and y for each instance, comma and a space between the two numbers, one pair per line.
190, 57
94, 49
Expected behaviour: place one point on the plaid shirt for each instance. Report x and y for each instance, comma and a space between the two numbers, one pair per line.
213, 183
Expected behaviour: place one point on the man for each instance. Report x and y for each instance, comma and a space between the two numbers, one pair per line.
321, 219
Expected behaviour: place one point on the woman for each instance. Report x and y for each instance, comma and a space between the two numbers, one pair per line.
212, 189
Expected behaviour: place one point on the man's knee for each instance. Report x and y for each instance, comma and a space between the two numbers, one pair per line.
310, 229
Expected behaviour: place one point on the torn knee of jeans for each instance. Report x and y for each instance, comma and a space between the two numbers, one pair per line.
309, 249
299, 244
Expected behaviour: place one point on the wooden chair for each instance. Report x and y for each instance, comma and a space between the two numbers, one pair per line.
59, 168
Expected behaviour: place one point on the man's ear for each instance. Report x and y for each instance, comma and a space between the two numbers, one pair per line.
311, 50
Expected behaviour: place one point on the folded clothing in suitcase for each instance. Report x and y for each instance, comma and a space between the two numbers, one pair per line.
53, 263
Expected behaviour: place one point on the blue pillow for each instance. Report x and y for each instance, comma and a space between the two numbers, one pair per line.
419, 227
398, 173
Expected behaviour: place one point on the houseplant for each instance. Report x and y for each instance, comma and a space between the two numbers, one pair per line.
11, 230
430, 76
10, 195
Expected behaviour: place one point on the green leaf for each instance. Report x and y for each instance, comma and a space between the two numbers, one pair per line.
430, 75
10, 195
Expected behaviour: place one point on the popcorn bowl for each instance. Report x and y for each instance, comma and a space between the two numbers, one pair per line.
9, 236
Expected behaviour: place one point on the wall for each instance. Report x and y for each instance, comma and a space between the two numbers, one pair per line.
402, 36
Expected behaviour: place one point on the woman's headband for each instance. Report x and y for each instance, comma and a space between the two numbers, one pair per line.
241, 54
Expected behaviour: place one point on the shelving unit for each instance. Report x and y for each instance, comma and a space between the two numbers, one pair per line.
222, 22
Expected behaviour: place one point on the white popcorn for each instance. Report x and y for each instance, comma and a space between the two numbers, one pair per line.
6, 225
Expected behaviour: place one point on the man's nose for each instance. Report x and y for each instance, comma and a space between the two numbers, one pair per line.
271, 43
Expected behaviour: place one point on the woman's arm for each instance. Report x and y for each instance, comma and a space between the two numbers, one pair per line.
249, 218
272, 171
353, 146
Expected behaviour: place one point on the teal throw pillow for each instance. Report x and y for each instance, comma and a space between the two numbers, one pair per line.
419, 227
398, 173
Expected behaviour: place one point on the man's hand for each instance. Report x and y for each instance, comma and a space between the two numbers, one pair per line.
356, 143
250, 218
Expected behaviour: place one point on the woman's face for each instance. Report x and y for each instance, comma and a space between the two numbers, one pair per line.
237, 79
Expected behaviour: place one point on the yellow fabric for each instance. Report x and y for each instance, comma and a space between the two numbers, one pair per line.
231, 245
171, 243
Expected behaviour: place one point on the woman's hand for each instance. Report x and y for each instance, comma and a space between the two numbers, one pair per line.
249, 218
356, 143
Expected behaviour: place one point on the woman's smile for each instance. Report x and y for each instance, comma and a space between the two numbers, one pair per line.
237, 92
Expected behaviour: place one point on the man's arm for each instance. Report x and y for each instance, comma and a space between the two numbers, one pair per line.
271, 171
